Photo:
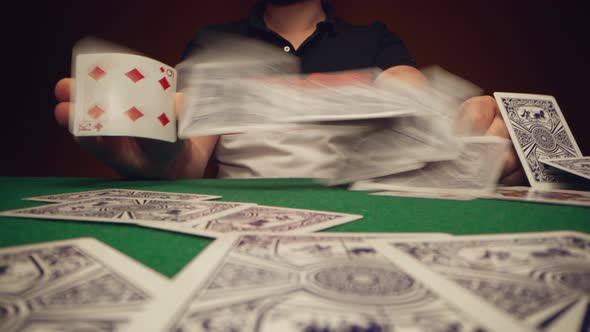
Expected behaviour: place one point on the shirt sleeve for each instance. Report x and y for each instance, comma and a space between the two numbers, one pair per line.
391, 51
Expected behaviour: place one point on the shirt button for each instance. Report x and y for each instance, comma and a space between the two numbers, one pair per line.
287, 49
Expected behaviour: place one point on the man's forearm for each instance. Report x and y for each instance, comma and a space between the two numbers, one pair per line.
137, 158
186, 159
407, 74
193, 160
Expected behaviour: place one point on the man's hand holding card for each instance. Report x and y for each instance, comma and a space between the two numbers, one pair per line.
122, 108
135, 156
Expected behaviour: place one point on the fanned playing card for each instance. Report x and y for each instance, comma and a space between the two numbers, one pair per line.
123, 193
538, 279
73, 285
556, 196
131, 211
268, 219
576, 166
539, 131
311, 282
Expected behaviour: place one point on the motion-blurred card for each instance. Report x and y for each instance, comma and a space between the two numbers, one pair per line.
539, 131
343, 96
222, 90
576, 166
475, 171
123, 95
556, 196
73, 285
123, 193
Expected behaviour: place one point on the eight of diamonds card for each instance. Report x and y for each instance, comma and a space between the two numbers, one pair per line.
539, 279
74, 285
308, 282
538, 131
123, 95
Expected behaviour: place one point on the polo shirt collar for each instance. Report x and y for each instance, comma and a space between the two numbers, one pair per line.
256, 18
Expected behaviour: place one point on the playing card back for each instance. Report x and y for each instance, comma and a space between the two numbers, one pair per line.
305, 283
538, 279
539, 131
72, 285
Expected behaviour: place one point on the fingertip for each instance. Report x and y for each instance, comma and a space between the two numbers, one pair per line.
62, 89
62, 113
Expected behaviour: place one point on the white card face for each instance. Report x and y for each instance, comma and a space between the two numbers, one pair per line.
556, 196
302, 283
268, 219
341, 96
538, 279
73, 285
576, 166
539, 131
124, 95
123, 193
130, 211
221, 98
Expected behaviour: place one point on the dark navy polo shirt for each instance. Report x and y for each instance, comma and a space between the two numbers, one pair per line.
335, 45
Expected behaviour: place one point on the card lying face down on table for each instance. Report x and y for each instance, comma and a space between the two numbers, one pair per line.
179, 212
73, 285
380, 282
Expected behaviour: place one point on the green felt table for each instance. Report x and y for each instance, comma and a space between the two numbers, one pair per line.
168, 252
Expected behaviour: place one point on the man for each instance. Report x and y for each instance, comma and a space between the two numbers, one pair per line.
308, 29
